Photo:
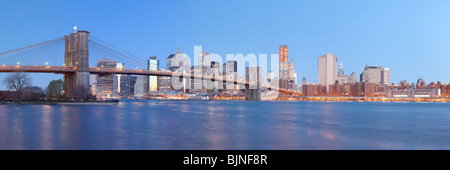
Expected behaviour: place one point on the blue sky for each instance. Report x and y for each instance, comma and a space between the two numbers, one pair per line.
409, 36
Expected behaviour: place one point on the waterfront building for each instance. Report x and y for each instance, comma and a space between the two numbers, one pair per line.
363, 89
153, 65
338, 89
312, 89
344, 79
105, 83
327, 70
415, 93
445, 90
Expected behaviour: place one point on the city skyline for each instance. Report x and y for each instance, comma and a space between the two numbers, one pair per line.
411, 52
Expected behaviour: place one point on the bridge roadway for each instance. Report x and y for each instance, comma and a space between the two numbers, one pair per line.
101, 71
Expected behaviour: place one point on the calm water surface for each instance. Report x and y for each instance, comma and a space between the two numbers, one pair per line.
179, 125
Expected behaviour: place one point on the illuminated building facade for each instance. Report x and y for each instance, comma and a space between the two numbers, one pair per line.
116, 83
153, 65
283, 67
105, 83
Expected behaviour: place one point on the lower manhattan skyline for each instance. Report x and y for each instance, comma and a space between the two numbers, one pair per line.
224, 83
409, 37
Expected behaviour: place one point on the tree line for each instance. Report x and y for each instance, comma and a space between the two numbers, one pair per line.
20, 84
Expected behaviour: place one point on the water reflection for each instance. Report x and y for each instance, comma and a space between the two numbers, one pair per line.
136, 124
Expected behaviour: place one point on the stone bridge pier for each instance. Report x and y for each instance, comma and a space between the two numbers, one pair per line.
77, 56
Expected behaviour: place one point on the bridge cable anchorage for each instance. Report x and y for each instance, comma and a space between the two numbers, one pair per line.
114, 55
31, 46
143, 64
116, 47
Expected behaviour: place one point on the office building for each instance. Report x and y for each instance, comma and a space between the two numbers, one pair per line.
231, 74
127, 85
105, 83
386, 76
327, 70
204, 59
376, 74
177, 60
141, 86
164, 83
153, 65
283, 73
292, 76
197, 85
116, 83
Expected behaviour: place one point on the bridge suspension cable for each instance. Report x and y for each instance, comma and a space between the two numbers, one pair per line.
130, 59
109, 49
116, 47
136, 62
31, 46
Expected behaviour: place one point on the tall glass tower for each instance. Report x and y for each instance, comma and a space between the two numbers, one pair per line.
153, 65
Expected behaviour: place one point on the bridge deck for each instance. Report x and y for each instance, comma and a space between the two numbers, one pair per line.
96, 70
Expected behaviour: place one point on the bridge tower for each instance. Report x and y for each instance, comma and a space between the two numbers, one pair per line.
77, 56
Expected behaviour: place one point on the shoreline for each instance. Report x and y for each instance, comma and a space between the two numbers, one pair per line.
53, 102
306, 99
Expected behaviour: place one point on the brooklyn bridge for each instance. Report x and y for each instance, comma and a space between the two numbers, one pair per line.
76, 69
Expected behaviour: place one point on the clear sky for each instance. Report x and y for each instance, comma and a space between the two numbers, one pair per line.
412, 37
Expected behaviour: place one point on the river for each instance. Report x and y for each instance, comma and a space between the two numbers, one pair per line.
229, 125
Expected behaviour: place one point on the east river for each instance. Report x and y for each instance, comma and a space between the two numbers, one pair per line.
229, 125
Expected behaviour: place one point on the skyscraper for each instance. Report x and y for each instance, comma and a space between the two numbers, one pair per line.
127, 84
270, 76
386, 76
327, 70
105, 83
177, 60
116, 83
204, 59
141, 86
283, 67
213, 87
292, 76
153, 65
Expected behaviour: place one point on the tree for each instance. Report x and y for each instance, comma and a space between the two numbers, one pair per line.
17, 81
33, 93
56, 89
